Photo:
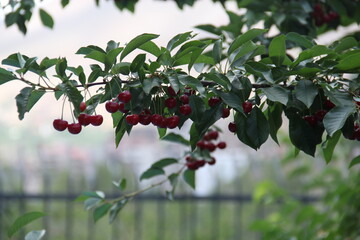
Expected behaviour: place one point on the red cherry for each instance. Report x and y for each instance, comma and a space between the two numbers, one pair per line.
213, 135
96, 120
164, 122
213, 101
74, 128
333, 15
122, 108
132, 119
184, 99
201, 163
60, 124
357, 103
310, 119
221, 145
213, 161
145, 119
200, 144
112, 107
225, 112
171, 92
124, 96
170, 102
328, 104
192, 165
247, 107
232, 127
84, 119
185, 109
189, 159
156, 119
210, 146
173, 122
320, 114
82, 106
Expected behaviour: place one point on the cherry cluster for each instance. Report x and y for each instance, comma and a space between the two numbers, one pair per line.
247, 107
317, 118
321, 17
83, 120
205, 146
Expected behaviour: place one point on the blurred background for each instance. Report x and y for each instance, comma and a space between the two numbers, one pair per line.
238, 198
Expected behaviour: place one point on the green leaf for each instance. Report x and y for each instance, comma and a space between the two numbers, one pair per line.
350, 62
301, 40
35, 235
111, 45
220, 79
345, 44
274, 114
136, 43
121, 185
260, 70
240, 40
120, 130
101, 211
73, 95
354, 161
22, 221
152, 48
138, 62
257, 127
176, 138
151, 172
64, 3
329, 146
217, 50
306, 91
92, 202
277, 94
198, 108
277, 50
336, 118
192, 82
315, 51
46, 19
178, 39
164, 162
115, 209
22, 100
150, 83
189, 177
97, 55
11, 18
6, 76
232, 99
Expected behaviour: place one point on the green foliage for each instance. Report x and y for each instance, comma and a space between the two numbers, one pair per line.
22, 221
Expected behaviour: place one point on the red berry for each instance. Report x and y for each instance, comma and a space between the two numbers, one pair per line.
328, 104
320, 114
132, 119
124, 97
357, 103
112, 107
333, 15
210, 146
213, 161
82, 106
164, 122
122, 108
84, 119
185, 109
232, 127
225, 112
247, 107
310, 119
171, 92
173, 122
213, 101
213, 135
145, 119
200, 144
192, 165
184, 99
221, 145
96, 120
170, 102
74, 128
190, 159
201, 163
156, 119
60, 124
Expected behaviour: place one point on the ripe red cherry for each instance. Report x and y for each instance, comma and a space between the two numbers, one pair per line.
221, 145
170, 102
122, 108
96, 120
310, 119
82, 106
213, 161
173, 122
111, 106
213, 101
132, 119
185, 109
60, 124
210, 146
192, 165
184, 99
320, 114
328, 104
247, 107
200, 144
124, 96
84, 119
213, 135
156, 119
225, 112
333, 15
201, 163
164, 122
145, 119
74, 128
232, 127
171, 92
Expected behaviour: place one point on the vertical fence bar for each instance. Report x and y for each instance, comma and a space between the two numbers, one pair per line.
69, 207
22, 200
194, 218
46, 178
161, 223
138, 219
183, 219
215, 219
